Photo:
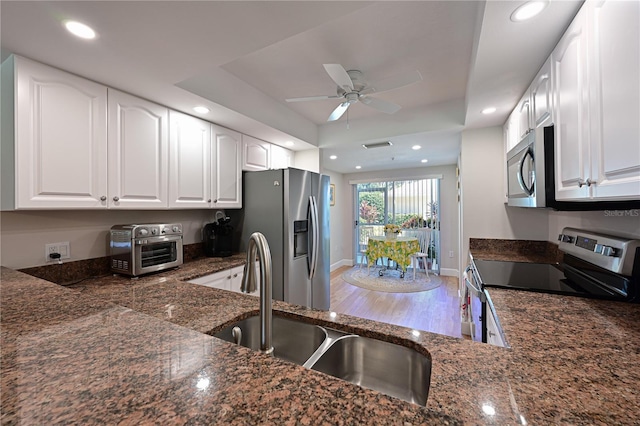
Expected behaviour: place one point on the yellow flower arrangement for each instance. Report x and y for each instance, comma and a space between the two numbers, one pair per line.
390, 228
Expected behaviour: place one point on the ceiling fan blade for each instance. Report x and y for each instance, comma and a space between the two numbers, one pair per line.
337, 113
393, 82
380, 105
339, 75
311, 98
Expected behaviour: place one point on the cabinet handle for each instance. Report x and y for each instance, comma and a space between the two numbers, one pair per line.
103, 198
235, 275
215, 201
116, 199
209, 200
581, 183
591, 182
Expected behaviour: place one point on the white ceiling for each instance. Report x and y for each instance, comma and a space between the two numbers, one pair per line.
243, 59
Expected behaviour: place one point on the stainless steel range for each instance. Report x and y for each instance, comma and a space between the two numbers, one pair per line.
595, 265
141, 249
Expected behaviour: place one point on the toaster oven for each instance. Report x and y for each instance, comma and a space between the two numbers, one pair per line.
140, 249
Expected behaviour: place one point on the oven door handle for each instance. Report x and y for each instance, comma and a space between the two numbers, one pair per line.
157, 239
475, 290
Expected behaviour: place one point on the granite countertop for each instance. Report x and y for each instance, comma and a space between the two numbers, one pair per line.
114, 350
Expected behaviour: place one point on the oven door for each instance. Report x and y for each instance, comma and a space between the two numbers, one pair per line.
521, 173
157, 253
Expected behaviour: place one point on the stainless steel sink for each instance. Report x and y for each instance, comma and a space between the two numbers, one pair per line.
391, 369
388, 368
293, 341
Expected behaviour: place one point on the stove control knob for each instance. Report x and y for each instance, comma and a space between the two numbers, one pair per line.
143, 232
604, 250
565, 238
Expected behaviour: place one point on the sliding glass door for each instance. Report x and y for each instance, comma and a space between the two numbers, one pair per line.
407, 203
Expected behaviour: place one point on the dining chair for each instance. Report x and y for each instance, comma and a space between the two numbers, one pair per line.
365, 233
424, 240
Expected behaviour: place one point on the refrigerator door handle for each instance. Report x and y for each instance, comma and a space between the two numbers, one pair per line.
313, 208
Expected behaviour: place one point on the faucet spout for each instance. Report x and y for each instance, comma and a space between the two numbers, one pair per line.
259, 247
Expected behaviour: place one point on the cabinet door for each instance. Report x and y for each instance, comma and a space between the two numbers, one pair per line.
541, 96
138, 152
227, 170
237, 274
255, 153
571, 112
524, 113
494, 337
190, 162
281, 158
615, 106
221, 280
60, 139
512, 130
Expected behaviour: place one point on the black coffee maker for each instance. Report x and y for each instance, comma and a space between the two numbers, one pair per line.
218, 238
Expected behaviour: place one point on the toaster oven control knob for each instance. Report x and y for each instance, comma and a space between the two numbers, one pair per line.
154, 231
565, 238
176, 229
143, 232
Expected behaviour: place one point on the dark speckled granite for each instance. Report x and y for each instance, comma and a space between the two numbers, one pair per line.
515, 250
114, 350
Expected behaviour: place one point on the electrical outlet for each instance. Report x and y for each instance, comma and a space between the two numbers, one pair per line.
62, 249
450, 253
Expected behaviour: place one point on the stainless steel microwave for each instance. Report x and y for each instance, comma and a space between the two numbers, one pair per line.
526, 172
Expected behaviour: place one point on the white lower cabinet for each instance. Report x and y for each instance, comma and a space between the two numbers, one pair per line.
494, 336
230, 279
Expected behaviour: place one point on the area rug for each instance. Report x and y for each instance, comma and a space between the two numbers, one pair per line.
390, 281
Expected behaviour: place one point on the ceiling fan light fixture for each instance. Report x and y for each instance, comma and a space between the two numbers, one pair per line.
528, 10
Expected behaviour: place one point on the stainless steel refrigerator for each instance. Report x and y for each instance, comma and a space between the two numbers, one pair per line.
291, 208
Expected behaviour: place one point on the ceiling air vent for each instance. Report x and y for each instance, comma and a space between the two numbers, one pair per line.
377, 145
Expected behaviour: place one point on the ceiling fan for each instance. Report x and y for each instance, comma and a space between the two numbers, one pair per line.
353, 88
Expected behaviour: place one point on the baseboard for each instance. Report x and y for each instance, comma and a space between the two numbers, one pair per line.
448, 272
341, 263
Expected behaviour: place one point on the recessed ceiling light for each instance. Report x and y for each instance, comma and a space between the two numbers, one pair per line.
79, 29
489, 110
416, 147
528, 10
201, 109
333, 157
358, 167
289, 143
424, 160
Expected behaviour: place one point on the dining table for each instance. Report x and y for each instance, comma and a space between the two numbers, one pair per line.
397, 249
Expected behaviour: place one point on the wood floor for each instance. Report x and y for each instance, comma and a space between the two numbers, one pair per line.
435, 310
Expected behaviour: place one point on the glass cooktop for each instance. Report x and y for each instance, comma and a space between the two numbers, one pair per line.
540, 277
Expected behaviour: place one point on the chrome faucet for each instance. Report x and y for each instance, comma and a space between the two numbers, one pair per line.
257, 242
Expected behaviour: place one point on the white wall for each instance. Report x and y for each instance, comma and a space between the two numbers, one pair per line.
339, 223
25, 233
485, 214
448, 208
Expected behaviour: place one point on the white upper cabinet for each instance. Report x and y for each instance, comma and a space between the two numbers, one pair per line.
511, 130
615, 102
571, 110
281, 158
227, 168
524, 116
541, 96
256, 154
595, 70
138, 152
59, 138
189, 162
